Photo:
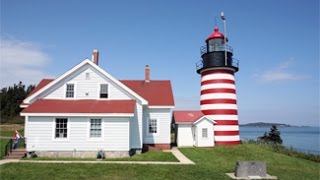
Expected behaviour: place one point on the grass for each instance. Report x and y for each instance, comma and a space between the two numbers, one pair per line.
7, 130
224, 158
147, 156
3, 143
284, 150
12, 120
211, 163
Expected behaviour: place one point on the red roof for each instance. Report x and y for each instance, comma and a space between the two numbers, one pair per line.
215, 34
81, 106
42, 83
157, 93
187, 116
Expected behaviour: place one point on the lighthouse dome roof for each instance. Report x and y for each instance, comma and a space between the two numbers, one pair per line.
216, 34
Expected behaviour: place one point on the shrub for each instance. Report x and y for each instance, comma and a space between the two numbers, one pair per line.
272, 137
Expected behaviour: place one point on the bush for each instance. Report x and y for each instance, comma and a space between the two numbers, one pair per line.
272, 137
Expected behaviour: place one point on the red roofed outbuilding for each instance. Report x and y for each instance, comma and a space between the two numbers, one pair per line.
193, 128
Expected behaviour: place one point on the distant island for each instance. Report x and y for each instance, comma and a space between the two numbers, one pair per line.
263, 124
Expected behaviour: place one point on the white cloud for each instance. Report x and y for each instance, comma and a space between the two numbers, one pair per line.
22, 61
280, 72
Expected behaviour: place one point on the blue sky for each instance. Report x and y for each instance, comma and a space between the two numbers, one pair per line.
277, 43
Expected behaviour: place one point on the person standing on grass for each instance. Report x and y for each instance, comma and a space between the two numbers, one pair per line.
16, 139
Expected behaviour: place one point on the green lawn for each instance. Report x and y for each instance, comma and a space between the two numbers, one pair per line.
222, 160
3, 143
148, 156
10, 133
210, 164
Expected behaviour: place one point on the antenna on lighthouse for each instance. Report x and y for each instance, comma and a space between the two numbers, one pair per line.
215, 21
225, 37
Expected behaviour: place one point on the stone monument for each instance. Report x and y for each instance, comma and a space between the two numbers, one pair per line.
250, 168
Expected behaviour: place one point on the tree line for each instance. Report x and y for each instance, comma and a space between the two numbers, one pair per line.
11, 97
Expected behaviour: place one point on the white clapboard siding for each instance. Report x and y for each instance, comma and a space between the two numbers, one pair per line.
136, 128
204, 141
116, 134
163, 117
185, 136
86, 88
40, 135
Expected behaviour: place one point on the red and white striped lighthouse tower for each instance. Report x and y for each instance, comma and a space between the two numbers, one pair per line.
218, 91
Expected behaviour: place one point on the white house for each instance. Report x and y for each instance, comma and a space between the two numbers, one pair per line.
193, 129
86, 110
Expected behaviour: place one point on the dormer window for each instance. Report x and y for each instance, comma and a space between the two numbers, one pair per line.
103, 90
70, 91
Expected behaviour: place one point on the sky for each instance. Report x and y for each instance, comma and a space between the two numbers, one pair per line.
276, 42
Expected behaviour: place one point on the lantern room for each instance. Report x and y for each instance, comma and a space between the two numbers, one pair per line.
216, 53
215, 41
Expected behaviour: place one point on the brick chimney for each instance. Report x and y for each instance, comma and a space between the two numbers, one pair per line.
147, 74
95, 56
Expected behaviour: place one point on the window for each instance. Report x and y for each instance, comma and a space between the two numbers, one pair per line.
87, 76
70, 91
61, 128
103, 90
204, 133
153, 126
95, 128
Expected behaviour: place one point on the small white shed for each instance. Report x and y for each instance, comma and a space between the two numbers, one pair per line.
203, 132
193, 129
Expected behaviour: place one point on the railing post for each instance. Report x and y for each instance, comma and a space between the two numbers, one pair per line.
11, 145
8, 148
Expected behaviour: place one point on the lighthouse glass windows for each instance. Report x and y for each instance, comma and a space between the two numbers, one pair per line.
152, 126
216, 45
103, 90
70, 90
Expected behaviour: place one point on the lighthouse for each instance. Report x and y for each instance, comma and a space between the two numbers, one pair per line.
218, 98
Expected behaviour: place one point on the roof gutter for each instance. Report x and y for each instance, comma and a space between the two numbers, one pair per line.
79, 114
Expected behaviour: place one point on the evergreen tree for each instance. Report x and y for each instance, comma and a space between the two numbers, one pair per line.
264, 137
10, 99
272, 137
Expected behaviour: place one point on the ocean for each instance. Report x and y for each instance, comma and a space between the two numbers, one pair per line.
305, 139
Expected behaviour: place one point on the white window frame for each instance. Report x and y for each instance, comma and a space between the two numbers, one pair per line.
54, 129
202, 133
74, 90
89, 129
157, 123
99, 90
87, 76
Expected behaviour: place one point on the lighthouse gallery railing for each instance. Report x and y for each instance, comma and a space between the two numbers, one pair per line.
234, 63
